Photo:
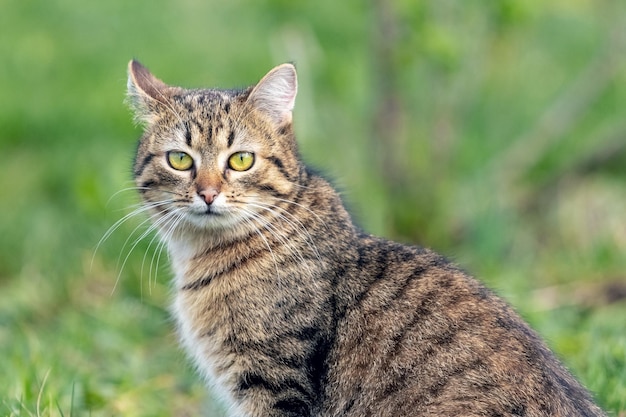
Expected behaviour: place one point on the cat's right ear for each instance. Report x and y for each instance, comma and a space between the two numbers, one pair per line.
275, 94
145, 92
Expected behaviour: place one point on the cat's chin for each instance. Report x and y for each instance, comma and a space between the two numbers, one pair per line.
213, 222
210, 220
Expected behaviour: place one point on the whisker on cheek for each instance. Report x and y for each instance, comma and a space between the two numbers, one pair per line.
139, 209
289, 218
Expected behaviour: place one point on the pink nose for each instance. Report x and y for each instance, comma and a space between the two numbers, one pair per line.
209, 194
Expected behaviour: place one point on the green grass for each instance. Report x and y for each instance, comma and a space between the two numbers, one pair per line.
506, 154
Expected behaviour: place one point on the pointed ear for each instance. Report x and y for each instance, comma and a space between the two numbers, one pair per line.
275, 94
144, 91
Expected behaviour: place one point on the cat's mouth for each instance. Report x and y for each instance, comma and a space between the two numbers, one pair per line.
214, 219
205, 210
210, 211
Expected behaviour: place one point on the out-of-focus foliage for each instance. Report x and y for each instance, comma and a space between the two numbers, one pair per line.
491, 130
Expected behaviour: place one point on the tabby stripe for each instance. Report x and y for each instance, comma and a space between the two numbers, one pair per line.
269, 348
218, 126
278, 163
438, 342
209, 136
568, 385
284, 129
352, 401
293, 406
518, 410
435, 389
439, 262
420, 313
318, 361
146, 184
231, 138
296, 206
399, 382
305, 334
203, 282
254, 380
273, 191
316, 349
362, 261
304, 175
197, 284
144, 162
187, 105
188, 134
398, 292
199, 127
381, 267
401, 291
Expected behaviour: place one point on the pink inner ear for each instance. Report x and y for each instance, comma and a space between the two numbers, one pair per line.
145, 82
276, 93
287, 87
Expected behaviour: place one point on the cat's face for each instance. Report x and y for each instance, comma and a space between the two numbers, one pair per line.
217, 160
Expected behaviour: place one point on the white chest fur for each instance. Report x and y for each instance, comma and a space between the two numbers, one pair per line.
198, 316
204, 344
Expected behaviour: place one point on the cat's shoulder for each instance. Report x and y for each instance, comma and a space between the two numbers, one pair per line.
377, 250
418, 267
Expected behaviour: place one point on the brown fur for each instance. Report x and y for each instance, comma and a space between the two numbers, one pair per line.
289, 310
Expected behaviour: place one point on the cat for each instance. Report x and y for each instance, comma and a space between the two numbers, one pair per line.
287, 308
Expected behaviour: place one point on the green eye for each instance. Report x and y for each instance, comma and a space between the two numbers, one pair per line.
241, 161
179, 160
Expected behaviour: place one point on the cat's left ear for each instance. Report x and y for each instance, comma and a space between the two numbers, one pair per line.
145, 92
276, 93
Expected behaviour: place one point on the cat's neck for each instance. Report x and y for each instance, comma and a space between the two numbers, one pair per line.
315, 225
190, 241
193, 250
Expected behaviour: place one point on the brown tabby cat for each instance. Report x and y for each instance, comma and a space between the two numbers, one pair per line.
287, 308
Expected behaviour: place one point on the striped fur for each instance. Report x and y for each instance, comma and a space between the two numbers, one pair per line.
288, 309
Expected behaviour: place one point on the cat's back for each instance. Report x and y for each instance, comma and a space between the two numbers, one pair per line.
420, 337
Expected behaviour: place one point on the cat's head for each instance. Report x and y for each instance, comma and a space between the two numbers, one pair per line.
220, 161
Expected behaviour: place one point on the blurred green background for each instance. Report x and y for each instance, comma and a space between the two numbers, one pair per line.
490, 130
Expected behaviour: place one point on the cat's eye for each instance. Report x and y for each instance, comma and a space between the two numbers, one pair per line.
180, 161
241, 161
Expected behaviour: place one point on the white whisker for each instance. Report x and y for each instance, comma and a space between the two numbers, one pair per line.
154, 226
295, 223
260, 222
143, 261
142, 208
269, 248
301, 206
166, 236
274, 231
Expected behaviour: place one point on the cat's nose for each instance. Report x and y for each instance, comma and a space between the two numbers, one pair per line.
208, 194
